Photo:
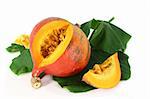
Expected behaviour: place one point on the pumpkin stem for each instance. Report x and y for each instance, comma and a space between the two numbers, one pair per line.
42, 75
111, 19
36, 80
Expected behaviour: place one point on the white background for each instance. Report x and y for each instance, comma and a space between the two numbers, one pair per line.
18, 16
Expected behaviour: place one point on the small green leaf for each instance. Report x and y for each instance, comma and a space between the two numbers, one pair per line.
22, 63
15, 48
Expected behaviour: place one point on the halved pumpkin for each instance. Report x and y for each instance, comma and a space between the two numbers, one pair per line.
105, 75
56, 47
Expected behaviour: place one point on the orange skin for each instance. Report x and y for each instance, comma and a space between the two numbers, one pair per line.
72, 61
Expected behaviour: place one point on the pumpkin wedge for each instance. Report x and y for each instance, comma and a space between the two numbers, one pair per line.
105, 75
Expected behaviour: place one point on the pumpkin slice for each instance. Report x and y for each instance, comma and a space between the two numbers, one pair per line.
105, 75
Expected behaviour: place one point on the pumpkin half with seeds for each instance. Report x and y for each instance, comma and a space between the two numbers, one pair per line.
105, 75
58, 48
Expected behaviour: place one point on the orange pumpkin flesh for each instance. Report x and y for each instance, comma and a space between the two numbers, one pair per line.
58, 48
105, 75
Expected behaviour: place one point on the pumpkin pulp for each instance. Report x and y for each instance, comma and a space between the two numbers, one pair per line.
51, 42
105, 75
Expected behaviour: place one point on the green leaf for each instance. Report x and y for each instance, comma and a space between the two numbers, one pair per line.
106, 36
109, 38
125, 66
22, 63
15, 48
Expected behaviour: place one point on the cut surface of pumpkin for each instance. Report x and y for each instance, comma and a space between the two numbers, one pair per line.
51, 41
105, 75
